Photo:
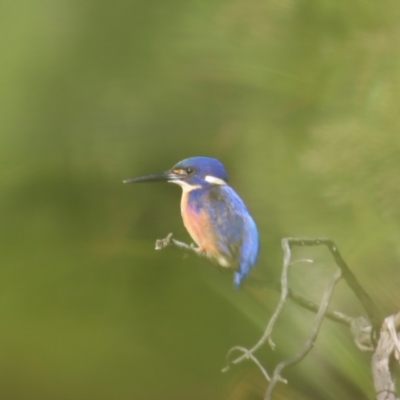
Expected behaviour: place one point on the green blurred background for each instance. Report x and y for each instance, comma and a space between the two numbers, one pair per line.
299, 99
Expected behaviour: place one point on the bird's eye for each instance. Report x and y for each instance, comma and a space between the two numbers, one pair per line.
183, 171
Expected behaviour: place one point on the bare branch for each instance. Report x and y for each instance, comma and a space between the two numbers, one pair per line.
370, 308
268, 330
169, 241
361, 328
248, 356
336, 316
314, 333
388, 344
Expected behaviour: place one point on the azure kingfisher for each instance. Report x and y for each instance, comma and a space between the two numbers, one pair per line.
214, 215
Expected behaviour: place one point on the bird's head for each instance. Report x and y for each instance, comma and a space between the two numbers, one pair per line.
191, 173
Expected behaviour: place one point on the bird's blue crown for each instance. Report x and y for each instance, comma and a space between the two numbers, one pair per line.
201, 170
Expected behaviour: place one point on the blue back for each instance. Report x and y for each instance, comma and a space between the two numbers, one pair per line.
235, 232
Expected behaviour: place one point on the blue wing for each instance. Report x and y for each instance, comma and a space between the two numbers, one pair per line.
234, 230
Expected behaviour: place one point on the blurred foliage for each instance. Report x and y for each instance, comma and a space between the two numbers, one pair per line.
299, 99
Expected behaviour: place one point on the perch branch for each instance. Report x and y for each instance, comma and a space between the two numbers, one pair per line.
169, 240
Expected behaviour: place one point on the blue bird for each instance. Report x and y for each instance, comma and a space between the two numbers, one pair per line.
214, 215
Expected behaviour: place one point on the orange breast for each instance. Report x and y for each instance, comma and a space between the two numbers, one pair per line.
198, 225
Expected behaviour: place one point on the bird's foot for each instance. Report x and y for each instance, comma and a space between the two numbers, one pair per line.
163, 243
170, 241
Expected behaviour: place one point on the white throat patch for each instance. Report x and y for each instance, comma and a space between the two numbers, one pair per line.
214, 180
185, 186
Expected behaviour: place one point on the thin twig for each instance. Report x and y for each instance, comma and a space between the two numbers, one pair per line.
336, 316
370, 308
268, 330
169, 240
252, 358
310, 342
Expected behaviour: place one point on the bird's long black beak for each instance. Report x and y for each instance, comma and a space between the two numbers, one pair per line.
158, 177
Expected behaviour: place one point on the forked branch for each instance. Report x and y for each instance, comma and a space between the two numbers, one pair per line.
365, 332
